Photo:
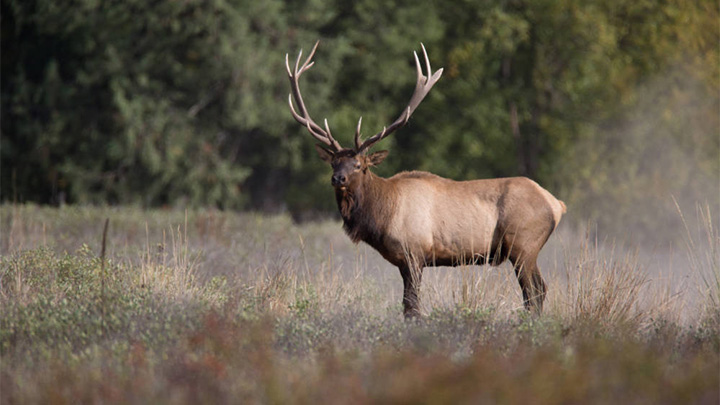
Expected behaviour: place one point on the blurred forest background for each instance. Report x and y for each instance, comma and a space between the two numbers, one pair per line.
612, 105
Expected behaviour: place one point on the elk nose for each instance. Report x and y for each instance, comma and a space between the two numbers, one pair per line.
338, 179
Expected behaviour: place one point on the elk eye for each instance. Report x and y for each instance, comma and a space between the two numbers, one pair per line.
357, 165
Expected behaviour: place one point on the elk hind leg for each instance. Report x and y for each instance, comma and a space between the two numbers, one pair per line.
531, 282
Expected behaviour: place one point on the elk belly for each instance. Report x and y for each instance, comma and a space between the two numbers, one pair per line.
465, 236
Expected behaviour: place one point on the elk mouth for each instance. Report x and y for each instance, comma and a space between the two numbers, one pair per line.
341, 185
343, 188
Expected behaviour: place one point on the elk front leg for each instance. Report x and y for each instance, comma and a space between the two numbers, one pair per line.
412, 276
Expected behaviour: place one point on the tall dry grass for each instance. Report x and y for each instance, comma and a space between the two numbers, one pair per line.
169, 268
220, 307
605, 289
288, 265
703, 257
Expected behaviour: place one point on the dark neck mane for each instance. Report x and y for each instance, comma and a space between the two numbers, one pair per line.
366, 209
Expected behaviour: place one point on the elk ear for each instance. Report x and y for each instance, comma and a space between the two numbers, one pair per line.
325, 155
377, 157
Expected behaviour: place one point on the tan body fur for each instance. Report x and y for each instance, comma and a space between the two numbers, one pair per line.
446, 222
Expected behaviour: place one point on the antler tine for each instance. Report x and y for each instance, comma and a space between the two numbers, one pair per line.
422, 88
427, 60
297, 64
322, 135
327, 129
308, 62
287, 65
357, 134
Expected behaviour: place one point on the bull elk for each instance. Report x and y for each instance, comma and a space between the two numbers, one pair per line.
417, 219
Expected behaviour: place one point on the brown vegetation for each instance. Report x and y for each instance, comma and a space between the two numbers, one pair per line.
219, 307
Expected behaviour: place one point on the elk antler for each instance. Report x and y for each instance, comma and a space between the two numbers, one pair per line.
422, 88
322, 135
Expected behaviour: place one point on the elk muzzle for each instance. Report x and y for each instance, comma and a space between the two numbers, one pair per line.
339, 180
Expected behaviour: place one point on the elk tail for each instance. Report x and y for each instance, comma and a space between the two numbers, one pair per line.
564, 207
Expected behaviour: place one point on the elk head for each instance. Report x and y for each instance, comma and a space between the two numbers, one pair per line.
350, 165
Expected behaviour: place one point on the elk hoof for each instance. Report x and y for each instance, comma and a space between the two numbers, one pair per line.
412, 314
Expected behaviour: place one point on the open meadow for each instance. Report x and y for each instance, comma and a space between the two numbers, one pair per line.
219, 307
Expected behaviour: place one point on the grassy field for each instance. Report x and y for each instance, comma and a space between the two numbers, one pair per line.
214, 307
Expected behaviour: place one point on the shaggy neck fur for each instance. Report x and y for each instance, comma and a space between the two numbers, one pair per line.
366, 208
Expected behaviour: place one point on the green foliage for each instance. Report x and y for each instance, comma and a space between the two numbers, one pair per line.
659, 141
610, 105
45, 292
121, 102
